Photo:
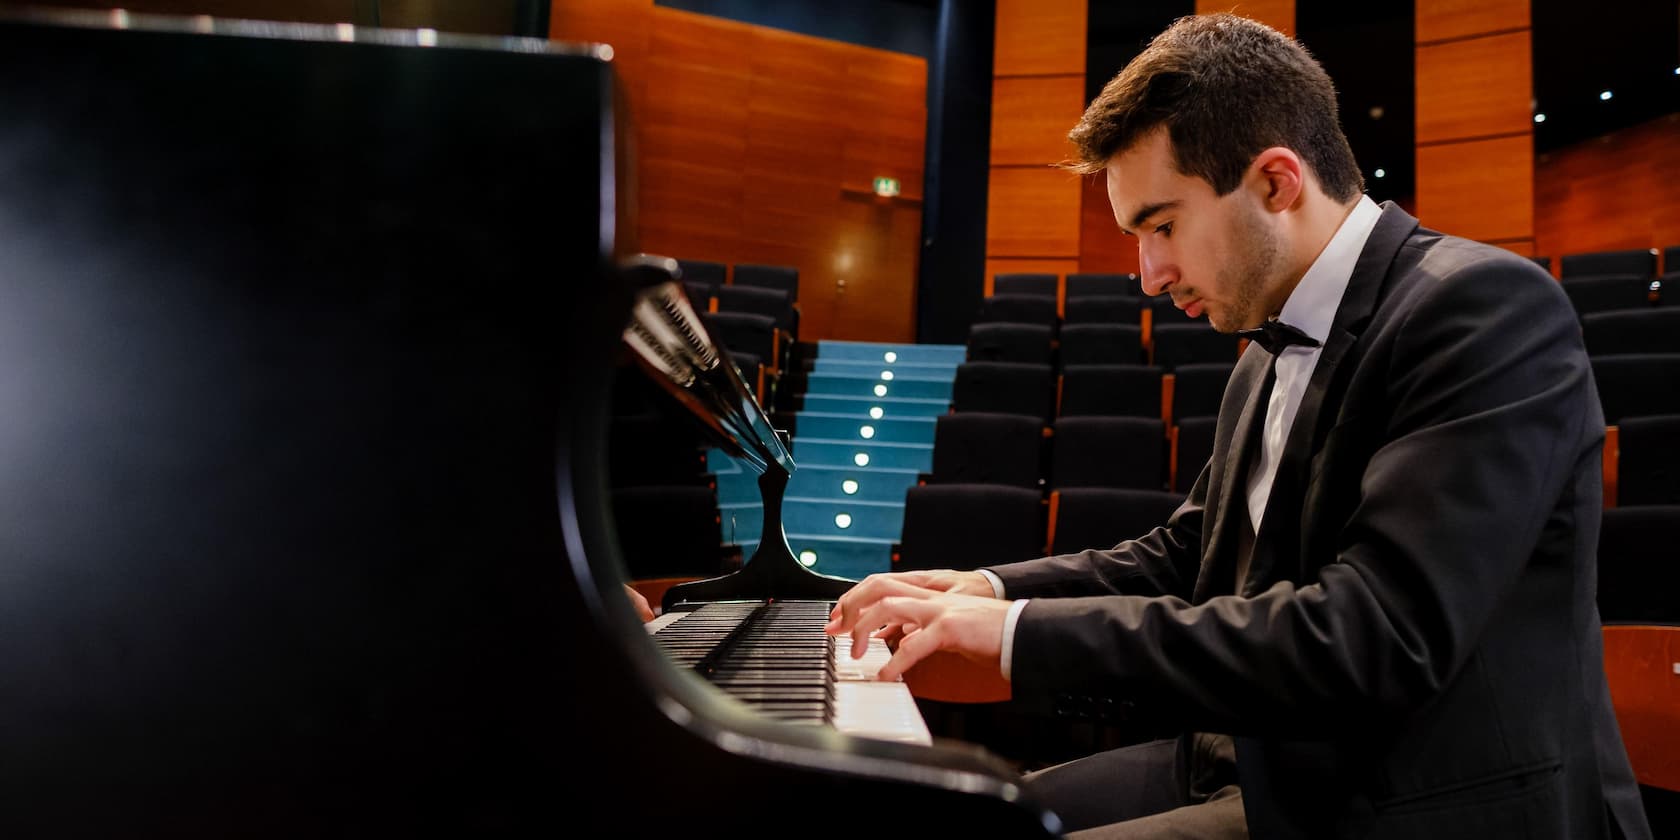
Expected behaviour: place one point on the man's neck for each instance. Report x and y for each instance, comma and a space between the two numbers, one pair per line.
1316, 223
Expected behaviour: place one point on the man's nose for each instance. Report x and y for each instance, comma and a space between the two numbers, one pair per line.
1154, 277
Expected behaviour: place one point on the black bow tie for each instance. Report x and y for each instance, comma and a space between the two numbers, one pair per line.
1274, 335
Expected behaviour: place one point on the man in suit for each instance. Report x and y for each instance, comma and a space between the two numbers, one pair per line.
1374, 615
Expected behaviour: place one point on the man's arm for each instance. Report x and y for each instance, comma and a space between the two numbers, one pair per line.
1162, 562
1488, 420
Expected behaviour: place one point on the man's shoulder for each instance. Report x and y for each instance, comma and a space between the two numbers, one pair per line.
1433, 264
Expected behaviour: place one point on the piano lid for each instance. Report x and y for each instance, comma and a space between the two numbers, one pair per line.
305, 355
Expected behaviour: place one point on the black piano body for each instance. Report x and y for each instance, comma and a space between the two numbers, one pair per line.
305, 340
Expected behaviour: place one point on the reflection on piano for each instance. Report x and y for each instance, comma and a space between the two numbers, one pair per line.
305, 348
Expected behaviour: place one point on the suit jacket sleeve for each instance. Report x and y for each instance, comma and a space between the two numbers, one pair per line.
1162, 562
1487, 415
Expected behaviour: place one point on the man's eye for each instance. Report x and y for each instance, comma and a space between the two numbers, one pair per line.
1165, 229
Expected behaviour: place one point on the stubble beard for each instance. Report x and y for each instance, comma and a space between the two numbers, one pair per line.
1257, 258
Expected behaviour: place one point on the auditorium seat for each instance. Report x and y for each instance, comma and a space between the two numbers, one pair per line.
1006, 342
1123, 452
1003, 388
669, 531
780, 277
1638, 573
746, 332
1637, 385
1199, 388
1671, 260
1042, 285
1018, 309
1101, 344
983, 448
1191, 343
1612, 293
1084, 518
1641, 261
1090, 284
965, 526
1632, 331
760, 301
1192, 448
1110, 391
1162, 311
1103, 309
1648, 471
708, 274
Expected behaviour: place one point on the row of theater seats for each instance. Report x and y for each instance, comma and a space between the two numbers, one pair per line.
754, 311
1038, 318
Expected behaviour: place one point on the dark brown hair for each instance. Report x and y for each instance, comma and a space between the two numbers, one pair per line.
1226, 88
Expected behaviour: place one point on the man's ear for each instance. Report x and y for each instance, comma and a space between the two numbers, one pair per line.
1277, 177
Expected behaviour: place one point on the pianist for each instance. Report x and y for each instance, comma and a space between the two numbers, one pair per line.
1380, 589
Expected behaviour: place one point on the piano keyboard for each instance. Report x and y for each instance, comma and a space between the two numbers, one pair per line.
775, 657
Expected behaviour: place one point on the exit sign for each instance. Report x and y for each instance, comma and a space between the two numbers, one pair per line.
886, 186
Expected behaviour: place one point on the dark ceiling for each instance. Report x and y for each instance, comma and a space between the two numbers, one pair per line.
1628, 47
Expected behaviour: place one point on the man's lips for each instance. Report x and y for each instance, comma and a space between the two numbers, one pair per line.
1193, 309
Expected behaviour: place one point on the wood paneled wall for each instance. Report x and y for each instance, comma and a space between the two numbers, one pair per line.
1038, 86
1475, 133
757, 145
1610, 193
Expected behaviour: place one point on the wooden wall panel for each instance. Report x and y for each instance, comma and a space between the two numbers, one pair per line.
1439, 20
1032, 213
1464, 88
1475, 138
1031, 118
1611, 193
1102, 247
1482, 189
756, 145
1039, 37
1278, 14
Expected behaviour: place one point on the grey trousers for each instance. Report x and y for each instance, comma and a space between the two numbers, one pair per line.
1182, 788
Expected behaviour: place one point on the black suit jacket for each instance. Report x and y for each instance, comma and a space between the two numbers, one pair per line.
1417, 650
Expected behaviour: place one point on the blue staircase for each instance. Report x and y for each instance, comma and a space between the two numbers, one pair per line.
864, 434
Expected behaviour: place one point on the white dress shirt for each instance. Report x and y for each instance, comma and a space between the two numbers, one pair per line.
1311, 308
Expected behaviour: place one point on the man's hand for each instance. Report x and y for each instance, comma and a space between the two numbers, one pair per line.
643, 611
945, 618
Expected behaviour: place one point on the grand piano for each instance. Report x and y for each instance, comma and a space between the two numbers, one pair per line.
305, 340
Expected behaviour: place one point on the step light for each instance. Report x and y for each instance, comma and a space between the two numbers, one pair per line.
866, 432
875, 412
886, 376
880, 390
861, 459
843, 520
807, 558
890, 357
849, 487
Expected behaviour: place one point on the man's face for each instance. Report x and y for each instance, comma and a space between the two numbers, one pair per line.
1219, 255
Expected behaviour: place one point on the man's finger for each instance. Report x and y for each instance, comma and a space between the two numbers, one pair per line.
912, 648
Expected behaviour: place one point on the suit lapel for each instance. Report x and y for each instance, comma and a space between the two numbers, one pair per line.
1218, 568
1280, 536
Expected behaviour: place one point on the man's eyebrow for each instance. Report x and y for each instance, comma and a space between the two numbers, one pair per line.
1148, 210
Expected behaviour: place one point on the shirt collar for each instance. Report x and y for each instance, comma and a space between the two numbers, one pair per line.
1311, 308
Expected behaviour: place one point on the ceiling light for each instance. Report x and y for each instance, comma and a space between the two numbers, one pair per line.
1539, 118
1604, 96
1380, 172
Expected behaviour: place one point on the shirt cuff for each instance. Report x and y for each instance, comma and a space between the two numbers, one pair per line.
997, 583
1008, 652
